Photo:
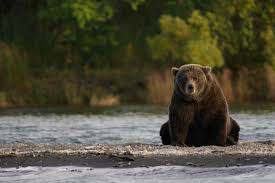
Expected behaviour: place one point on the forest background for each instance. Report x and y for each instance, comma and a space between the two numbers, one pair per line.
111, 52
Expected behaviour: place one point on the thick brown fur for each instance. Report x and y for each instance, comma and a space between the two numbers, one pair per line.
200, 118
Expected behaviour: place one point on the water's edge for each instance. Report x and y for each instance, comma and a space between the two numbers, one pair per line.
136, 155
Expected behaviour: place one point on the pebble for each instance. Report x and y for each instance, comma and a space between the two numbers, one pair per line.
247, 159
145, 166
75, 170
190, 164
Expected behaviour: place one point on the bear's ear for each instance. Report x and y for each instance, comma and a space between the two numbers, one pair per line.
175, 71
206, 69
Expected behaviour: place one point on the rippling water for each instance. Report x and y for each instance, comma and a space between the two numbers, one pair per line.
126, 125
152, 174
140, 125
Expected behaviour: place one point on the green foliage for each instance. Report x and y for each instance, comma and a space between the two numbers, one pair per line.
83, 12
69, 35
99, 33
89, 11
135, 3
189, 42
239, 26
87, 27
80, 27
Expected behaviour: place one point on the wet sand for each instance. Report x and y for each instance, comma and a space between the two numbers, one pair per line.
136, 155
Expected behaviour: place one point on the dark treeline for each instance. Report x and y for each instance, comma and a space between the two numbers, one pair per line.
90, 52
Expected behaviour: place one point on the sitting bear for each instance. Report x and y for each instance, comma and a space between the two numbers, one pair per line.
198, 112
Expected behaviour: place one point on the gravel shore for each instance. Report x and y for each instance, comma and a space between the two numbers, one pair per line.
136, 155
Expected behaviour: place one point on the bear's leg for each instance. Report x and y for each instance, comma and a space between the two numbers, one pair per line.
179, 123
217, 131
164, 133
233, 136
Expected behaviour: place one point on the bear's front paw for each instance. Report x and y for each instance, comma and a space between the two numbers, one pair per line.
180, 144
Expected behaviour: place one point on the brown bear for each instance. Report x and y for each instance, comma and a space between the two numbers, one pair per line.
198, 112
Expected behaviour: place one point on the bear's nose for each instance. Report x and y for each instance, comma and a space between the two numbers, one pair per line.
190, 88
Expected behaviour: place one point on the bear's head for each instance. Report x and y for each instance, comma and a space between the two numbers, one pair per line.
191, 80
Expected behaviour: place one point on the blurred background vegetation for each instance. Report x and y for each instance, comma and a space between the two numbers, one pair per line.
111, 52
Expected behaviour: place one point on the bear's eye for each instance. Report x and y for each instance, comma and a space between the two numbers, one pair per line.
183, 78
195, 79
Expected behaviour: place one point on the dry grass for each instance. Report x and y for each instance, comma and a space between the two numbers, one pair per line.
225, 80
270, 79
160, 87
101, 97
249, 85
3, 100
241, 86
72, 94
106, 101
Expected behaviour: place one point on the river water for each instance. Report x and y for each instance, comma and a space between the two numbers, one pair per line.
159, 174
129, 124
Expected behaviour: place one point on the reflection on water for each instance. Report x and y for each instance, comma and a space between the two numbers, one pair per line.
152, 174
126, 125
